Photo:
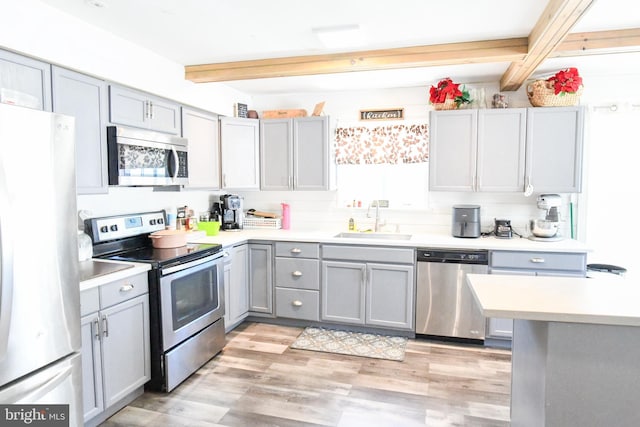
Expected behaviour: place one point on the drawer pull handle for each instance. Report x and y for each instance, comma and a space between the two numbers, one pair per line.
537, 260
296, 250
126, 288
296, 273
297, 303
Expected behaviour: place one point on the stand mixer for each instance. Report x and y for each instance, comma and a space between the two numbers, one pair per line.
547, 229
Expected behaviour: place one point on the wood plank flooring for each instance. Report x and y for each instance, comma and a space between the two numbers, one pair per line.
258, 380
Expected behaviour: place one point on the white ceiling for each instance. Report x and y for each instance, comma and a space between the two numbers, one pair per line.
193, 32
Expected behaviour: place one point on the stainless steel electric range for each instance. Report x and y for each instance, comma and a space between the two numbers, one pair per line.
185, 293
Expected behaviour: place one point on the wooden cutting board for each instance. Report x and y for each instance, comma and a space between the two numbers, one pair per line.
263, 214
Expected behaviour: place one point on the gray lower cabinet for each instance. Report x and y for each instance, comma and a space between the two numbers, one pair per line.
260, 278
359, 287
85, 98
24, 81
115, 345
530, 263
297, 280
236, 286
201, 129
130, 107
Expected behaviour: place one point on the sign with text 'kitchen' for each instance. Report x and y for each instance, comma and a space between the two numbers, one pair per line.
389, 114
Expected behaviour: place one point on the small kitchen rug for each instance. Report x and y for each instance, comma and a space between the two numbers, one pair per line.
351, 343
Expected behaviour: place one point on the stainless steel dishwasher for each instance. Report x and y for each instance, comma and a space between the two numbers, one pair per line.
444, 304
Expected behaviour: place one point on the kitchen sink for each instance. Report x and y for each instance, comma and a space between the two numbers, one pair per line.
383, 236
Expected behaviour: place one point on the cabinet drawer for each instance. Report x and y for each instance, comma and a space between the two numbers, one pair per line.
298, 304
89, 301
297, 249
298, 273
539, 260
369, 254
123, 289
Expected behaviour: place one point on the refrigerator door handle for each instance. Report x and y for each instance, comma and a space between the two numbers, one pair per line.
6, 266
45, 385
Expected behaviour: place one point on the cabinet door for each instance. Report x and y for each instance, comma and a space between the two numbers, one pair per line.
343, 292
24, 81
311, 153
501, 149
125, 348
238, 295
128, 107
276, 154
260, 278
240, 153
452, 150
390, 291
85, 98
92, 400
164, 115
554, 149
201, 129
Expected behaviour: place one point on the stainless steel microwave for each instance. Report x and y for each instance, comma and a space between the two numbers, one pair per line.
138, 157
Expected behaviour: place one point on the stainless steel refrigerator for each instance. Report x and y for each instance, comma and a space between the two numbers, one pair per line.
39, 294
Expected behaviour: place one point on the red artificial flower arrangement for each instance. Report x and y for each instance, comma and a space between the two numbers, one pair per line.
566, 81
447, 89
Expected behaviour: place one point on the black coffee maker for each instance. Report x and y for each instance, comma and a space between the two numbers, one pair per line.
231, 212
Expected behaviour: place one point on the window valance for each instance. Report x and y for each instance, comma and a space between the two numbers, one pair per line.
392, 144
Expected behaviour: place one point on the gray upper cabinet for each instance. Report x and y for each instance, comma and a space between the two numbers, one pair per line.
85, 98
507, 150
478, 150
201, 129
295, 154
239, 152
554, 151
130, 107
452, 150
24, 81
501, 150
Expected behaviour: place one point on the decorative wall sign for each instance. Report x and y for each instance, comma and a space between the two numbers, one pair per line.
389, 114
241, 110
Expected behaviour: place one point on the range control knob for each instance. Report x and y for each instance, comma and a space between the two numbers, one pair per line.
104, 229
152, 222
160, 221
114, 227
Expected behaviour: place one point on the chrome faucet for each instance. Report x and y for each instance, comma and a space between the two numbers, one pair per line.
378, 223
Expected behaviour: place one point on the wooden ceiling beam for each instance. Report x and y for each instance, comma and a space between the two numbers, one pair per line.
551, 29
506, 50
599, 42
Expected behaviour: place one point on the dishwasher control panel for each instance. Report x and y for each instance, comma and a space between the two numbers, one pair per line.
459, 256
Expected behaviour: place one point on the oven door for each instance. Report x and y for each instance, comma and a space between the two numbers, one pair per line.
191, 298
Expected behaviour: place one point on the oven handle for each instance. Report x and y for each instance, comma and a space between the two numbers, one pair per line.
191, 264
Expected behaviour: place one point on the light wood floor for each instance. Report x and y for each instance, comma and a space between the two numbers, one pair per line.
259, 381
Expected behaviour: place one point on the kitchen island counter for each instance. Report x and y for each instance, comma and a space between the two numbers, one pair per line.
574, 350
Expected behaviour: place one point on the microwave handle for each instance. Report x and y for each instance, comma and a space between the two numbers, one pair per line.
174, 165
6, 267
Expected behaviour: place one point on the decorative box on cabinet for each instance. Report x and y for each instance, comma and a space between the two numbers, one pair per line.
115, 345
24, 81
297, 280
295, 154
239, 148
85, 98
139, 109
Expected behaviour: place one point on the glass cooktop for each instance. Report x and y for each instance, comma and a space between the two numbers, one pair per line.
166, 256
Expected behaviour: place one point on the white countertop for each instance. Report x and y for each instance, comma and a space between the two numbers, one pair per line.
135, 268
606, 300
231, 238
